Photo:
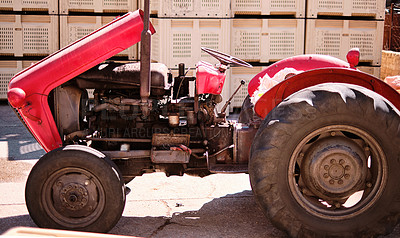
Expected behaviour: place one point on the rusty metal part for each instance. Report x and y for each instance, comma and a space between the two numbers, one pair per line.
173, 119
242, 82
145, 50
222, 150
134, 154
67, 101
220, 139
140, 154
333, 163
132, 140
72, 193
125, 101
170, 156
170, 139
79, 134
106, 106
334, 167
242, 139
191, 118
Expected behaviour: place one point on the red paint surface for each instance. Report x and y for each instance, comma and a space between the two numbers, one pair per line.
209, 79
325, 75
299, 63
29, 89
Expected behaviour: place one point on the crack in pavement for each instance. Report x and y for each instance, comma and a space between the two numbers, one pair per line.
166, 223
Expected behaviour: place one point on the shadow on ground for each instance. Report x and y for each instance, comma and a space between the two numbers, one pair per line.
16, 143
234, 215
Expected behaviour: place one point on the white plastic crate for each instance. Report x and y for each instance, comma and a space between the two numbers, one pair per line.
50, 6
101, 6
375, 71
190, 8
337, 37
76, 27
7, 70
180, 40
236, 75
356, 8
24, 35
269, 7
266, 40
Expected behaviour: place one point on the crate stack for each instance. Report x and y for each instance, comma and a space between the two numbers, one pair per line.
334, 27
263, 32
28, 32
80, 17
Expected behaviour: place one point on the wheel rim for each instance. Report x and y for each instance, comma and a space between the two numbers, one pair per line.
73, 197
337, 172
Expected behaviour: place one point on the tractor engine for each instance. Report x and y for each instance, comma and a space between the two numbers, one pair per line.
109, 118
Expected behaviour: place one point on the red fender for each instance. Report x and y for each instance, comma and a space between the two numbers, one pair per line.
318, 76
299, 63
28, 90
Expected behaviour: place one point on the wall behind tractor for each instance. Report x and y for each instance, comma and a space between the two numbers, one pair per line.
258, 31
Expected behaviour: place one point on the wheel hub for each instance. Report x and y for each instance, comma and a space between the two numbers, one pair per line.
75, 195
334, 167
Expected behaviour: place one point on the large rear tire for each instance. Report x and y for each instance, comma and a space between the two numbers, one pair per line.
75, 188
324, 163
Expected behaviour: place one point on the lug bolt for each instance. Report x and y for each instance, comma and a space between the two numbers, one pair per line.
331, 181
59, 184
341, 161
337, 205
347, 167
340, 181
347, 176
369, 185
326, 167
333, 161
333, 133
326, 175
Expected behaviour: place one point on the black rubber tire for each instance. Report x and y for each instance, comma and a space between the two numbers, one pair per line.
293, 120
75, 188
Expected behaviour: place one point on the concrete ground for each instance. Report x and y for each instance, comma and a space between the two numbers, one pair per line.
158, 206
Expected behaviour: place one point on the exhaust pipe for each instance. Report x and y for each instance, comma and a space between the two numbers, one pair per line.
145, 74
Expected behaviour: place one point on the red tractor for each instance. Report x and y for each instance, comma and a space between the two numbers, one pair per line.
321, 146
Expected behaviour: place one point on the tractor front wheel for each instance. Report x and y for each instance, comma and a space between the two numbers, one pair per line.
75, 188
324, 163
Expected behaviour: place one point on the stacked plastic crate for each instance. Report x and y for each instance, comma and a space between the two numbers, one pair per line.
334, 27
80, 17
263, 32
28, 32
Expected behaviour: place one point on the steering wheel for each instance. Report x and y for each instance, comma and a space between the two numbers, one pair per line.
226, 59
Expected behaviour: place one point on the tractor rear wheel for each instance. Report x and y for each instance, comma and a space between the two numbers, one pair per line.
75, 188
324, 163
